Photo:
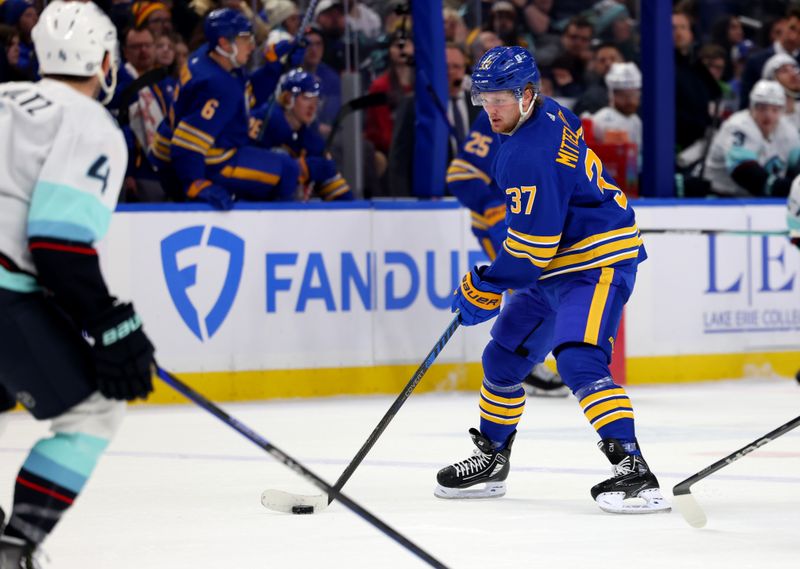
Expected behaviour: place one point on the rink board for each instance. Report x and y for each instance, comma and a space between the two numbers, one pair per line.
306, 300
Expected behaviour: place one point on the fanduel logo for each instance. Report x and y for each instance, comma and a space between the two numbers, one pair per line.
179, 280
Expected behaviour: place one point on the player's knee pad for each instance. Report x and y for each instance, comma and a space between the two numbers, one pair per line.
581, 365
80, 437
96, 416
502, 367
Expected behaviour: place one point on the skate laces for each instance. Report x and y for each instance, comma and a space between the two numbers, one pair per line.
626, 466
477, 462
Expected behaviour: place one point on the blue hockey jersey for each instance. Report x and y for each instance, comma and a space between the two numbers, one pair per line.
469, 179
208, 121
565, 214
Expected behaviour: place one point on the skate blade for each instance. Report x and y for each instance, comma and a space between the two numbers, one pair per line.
647, 502
489, 490
531, 391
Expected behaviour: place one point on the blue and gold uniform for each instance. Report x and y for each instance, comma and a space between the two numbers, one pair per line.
303, 143
204, 140
571, 253
469, 178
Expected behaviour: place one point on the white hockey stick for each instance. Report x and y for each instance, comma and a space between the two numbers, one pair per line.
682, 492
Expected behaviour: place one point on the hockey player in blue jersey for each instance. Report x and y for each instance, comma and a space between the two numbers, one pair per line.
203, 145
571, 252
292, 128
469, 179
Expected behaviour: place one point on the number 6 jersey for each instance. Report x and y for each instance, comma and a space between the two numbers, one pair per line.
62, 162
564, 213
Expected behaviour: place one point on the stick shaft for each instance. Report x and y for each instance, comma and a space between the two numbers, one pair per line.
287, 460
743, 232
684, 487
405, 394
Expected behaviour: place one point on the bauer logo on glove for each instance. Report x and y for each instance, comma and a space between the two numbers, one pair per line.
477, 301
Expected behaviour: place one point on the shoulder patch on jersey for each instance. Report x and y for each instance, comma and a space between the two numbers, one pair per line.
552, 117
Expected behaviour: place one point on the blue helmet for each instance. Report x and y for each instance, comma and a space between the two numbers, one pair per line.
225, 23
505, 69
298, 81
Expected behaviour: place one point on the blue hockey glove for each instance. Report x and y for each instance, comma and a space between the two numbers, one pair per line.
478, 301
216, 196
123, 355
295, 50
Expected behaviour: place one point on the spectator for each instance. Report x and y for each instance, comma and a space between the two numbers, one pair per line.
695, 88
595, 95
329, 81
784, 69
504, 22
22, 15
567, 79
455, 30
9, 56
483, 42
331, 21
575, 41
292, 128
141, 110
155, 16
789, 43
728, 33
756, 151
396, 82
542, 26
460, 112
363, 20
203, 148
712, 57
619, 121
284, 18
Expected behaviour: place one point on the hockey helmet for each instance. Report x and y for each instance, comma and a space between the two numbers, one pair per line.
298, 81
504, 69
623, 76
72, 38
226, 23
767, 92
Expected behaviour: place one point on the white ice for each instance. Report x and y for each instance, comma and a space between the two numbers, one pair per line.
179, 489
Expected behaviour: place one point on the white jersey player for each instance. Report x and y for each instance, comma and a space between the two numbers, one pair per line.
793, 212
755, 148
62, 161
619, 121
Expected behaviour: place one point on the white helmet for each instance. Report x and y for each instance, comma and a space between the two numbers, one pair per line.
768, 93
72, 38
623, 76
775, 62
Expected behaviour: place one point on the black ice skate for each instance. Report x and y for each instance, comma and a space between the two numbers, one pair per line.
541, 382
633, 489
16, 554
485, 467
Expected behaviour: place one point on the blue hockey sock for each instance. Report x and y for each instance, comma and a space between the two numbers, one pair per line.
501, 409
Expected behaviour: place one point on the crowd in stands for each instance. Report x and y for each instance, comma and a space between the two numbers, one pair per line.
191, 137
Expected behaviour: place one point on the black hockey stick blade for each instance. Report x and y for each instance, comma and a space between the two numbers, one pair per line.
285, 501
682, 492
357, 104
288, 461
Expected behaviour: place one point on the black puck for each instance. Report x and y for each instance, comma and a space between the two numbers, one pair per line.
302, 509
797, 376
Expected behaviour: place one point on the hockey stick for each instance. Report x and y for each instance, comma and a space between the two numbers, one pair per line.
685, 502
286, 502
284, 458
744, 232
357, 104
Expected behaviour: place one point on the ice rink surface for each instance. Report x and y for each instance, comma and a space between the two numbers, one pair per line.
179, 489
